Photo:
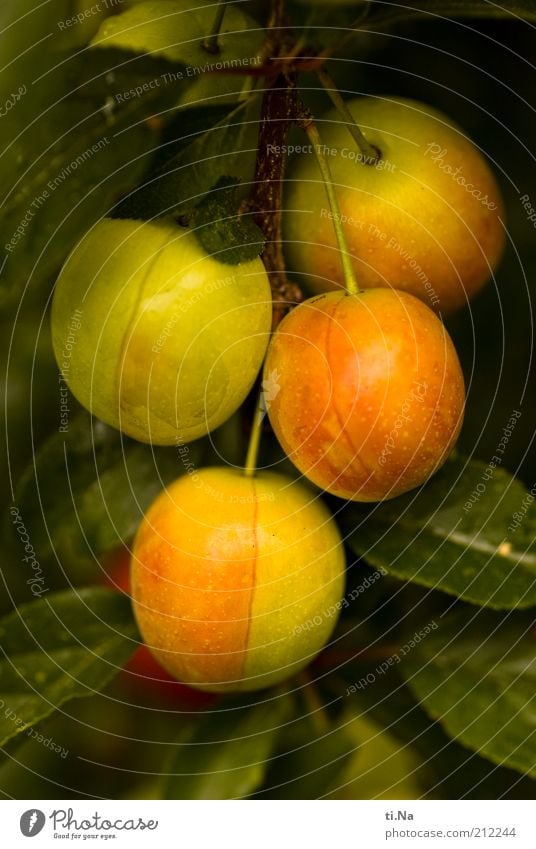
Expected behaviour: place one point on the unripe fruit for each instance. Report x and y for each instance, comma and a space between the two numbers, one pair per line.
425, 219
236, 581
154, 336
177, 31
370, 392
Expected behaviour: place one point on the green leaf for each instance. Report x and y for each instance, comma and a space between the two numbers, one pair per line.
456, 534
444, 769
227, 755
77, 141
220, 143
26, 29
60, 647
222, 231
176, 31
88, 489
309, 762
477, 677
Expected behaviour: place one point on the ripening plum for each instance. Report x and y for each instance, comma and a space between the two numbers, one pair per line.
370, 392
236, 581
425, 218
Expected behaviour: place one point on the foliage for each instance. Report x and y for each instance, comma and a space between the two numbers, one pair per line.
107, 126
59, 648
457, 535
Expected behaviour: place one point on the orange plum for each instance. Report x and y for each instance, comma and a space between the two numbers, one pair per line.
236, 581
142, 674
370, 393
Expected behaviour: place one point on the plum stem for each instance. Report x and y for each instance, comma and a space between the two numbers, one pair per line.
255, 439
211, 42
369, 153
313, 135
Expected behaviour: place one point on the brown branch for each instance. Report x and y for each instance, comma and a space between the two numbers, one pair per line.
279, 112
277, 115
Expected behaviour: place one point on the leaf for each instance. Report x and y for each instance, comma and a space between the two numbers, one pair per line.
78, 140
456, 534
221, 144
477, 677
233, 238
309, 762
227, 755
26, 28
444, 768
60, 647
88, 489
176, 31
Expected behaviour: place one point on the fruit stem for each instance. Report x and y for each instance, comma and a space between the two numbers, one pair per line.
308, 125
255, 439
211, 43
369, 154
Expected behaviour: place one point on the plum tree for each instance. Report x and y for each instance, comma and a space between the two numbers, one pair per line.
236, 580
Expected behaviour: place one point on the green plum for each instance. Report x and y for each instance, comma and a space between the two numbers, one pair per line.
427, 218
153, 335
177, 31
